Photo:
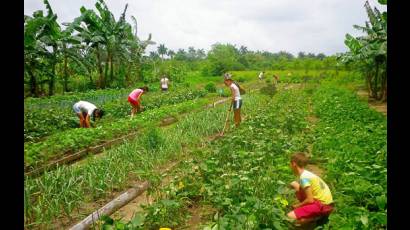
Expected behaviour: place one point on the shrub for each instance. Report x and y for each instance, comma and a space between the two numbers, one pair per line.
210, 87
241, 79
153, 139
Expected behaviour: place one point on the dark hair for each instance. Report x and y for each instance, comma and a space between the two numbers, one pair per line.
300, 159
98, 113
145, 88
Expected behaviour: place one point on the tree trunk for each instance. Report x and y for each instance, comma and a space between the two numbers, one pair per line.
383, 96
374, 90
112, 206
368, 84
107, 83
111, 69
65, 86
51, 81
100, 84
128, 74
33, 83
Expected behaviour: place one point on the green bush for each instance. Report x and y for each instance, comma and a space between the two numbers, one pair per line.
210, 87
153, 139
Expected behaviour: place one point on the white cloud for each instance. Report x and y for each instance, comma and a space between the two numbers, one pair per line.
291, 25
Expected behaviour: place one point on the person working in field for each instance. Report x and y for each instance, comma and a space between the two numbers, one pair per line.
312, 192
261, 75
84, 110
134, 98
236, 98
275, 79
164, 83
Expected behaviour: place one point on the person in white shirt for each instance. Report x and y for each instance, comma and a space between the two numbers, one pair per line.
164, 83
236, 98
85, 110
261, 75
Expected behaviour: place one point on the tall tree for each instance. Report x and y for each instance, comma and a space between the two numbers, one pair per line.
171, 53
162, 50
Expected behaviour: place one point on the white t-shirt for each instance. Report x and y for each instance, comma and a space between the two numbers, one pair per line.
260, 75
84, 106
164, 82
235, 91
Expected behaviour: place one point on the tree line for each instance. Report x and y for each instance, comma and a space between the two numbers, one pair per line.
96, 51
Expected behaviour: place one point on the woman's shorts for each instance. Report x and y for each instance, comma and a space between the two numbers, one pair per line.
76, 108
133, 102
237, 104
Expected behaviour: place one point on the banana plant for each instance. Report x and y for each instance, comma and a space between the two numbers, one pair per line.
370, 51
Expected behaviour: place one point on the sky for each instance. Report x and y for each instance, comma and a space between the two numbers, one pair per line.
317, 26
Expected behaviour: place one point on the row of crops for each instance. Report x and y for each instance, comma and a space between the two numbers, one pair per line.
45, 117
64, 193
244, 176
72, 140
64, 138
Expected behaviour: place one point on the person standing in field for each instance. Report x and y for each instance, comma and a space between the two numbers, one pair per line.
236, 103
164, 83
134, 98
85, 110
315, 198
275, 79
261, 75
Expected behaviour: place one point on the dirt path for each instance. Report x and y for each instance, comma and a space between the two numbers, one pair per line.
378, 106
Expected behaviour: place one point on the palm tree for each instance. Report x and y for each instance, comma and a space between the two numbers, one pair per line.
181, 55
200, 54
171, 53
243, 50
162, 50
301, 55
191, 53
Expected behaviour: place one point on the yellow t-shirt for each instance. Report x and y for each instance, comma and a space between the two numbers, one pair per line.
320, 190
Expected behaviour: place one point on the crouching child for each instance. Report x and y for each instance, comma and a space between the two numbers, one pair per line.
315, 198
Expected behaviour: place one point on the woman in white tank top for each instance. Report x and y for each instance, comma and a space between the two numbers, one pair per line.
236, 98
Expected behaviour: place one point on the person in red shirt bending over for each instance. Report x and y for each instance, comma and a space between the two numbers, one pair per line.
135, 99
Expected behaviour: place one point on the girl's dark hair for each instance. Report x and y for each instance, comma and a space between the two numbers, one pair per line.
145, 88
98, 113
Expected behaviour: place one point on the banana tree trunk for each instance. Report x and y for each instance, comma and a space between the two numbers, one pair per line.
33, 83
128, 74
383, 96
368, 84
107, 62
374, 88
101, 84
111, 69
52, 81
65, 86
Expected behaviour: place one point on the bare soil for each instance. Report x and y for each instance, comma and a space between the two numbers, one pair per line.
199, 215
380, 107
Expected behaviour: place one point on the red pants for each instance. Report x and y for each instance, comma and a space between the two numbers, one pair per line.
311, 210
